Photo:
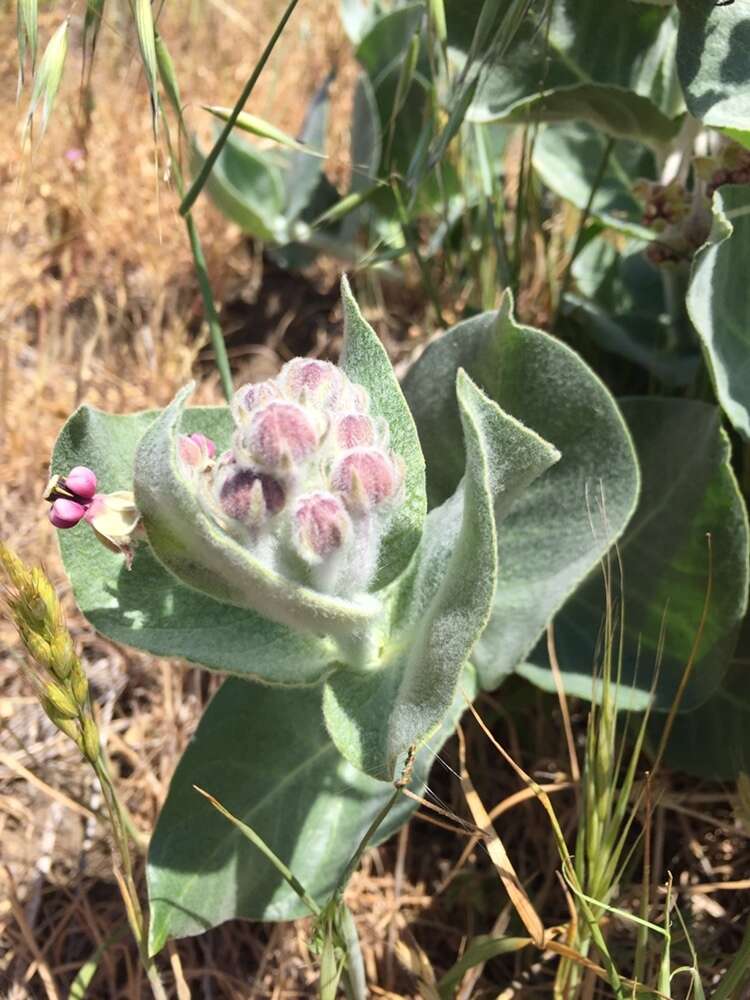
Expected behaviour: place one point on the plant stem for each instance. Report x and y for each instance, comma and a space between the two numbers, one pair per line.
126, 881
212, 316
197, 186
581, 231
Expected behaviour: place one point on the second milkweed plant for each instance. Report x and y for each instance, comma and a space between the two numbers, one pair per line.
372, 555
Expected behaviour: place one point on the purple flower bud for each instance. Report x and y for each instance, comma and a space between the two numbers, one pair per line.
365, 478
255, 394
196, 450
247, 495
281, 432
66, 513
321, 526
355, 430
82, 482
307, 378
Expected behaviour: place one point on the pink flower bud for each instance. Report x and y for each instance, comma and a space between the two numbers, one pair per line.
247, 495
82, 482
66, 513
281, 432
255, 394
196, 450
365, 477
307, 378
321, 526
355, 430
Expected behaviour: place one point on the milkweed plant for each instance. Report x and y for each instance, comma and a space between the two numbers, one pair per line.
360, 558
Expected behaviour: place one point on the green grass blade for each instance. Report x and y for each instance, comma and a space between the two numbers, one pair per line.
144, 25
197, 186
79, 986
263, 847
481, 949
263, 129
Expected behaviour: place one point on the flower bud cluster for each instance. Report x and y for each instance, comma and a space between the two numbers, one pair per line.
310, 483
57, 673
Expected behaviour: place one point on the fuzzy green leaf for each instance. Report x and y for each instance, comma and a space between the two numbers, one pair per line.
248, 189
265, 755
365, 361
712, 61
546, 543
621, 301
719, 302
562, 71
713, 741
689, 491
441, 605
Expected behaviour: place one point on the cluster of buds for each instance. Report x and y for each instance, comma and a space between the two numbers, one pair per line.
664, 204
113, 516
310, 483
680, 218
55, 669
731, 166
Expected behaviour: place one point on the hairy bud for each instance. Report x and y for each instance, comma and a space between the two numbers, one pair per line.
365, 478
196, 450
321, 526
280, 434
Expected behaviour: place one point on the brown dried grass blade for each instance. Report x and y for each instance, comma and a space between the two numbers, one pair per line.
496, 850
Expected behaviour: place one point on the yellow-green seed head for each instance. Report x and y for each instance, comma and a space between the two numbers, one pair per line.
79, 686
70, 727
38, 647
43, 600
14, 568
62, 655
90, 739
61, 701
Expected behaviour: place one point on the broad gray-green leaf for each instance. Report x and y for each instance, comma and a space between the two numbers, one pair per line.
546, 543
192, 545
146, 606
303, 172
248, 189
265, 755
568, 159
623, 303
386, 42
365, 361
689, 491
719, 302
713, 741
561, 70
712, 61
441, 605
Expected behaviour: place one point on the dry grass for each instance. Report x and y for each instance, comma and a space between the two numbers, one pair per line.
98, 302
